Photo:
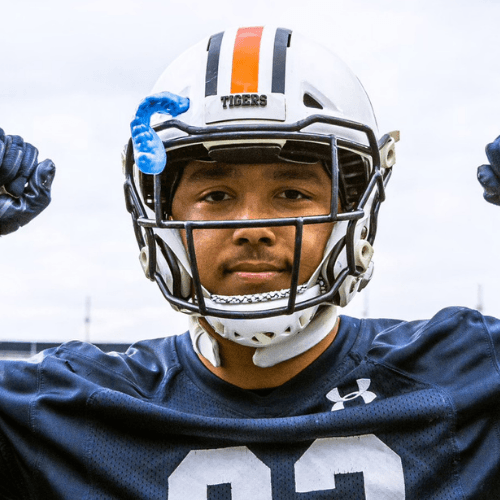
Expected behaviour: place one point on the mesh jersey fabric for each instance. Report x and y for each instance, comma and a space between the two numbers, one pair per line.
392, 409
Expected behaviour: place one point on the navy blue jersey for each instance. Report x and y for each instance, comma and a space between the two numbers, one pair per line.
391, 410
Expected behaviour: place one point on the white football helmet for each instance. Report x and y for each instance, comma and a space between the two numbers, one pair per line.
264, 94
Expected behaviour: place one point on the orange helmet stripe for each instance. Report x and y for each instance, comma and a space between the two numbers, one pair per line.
245, 74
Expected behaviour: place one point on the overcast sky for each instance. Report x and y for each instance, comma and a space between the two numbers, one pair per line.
73, 72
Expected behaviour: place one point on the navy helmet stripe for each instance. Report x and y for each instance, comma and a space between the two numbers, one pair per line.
281, 43
213, 64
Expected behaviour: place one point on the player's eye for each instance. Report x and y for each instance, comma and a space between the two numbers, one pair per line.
293, 194
216, 196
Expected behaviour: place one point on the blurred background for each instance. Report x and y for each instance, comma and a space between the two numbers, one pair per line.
72, 74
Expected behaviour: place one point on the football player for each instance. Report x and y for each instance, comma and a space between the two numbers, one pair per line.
255, 207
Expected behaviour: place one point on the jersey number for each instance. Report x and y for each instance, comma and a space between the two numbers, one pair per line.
248, 478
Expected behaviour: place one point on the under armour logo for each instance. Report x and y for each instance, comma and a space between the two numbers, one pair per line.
363, 385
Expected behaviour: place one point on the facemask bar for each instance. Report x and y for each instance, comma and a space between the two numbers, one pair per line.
143, 225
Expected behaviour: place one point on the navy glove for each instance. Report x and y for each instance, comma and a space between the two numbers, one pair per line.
24, 183
489, 175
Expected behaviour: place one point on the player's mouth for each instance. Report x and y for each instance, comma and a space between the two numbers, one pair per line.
254, 275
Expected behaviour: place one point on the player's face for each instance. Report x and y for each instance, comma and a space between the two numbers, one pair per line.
253, 260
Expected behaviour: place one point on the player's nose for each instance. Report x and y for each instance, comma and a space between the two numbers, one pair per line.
254, 236
254, 207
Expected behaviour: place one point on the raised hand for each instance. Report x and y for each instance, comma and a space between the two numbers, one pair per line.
24, 183
489, 175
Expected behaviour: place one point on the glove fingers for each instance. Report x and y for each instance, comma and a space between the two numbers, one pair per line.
8, 214
37, 191
28, 165
12, 158
490, 182
493, 154
16, 212
2, 149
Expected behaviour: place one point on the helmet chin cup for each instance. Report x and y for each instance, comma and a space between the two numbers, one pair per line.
263, 332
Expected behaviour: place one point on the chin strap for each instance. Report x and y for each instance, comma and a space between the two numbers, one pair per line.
203, 343
323, 323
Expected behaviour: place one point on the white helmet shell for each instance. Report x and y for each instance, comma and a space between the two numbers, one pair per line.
292, 81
